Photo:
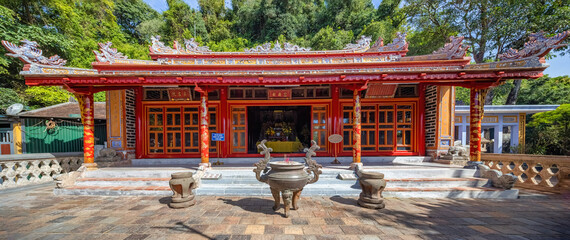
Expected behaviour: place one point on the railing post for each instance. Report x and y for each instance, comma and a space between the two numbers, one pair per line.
86, 105
356, 137
204, 131
477, 101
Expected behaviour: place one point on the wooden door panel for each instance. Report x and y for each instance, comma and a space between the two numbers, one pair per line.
238, 130
319, 126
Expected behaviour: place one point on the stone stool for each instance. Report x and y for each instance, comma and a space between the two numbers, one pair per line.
372, 184
182, 185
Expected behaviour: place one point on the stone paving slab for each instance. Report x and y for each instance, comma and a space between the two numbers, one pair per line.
38, 214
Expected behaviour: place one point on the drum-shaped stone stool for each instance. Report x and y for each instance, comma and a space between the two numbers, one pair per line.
372, 184
182, 185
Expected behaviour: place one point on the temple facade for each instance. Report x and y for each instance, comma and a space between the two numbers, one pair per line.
364, 100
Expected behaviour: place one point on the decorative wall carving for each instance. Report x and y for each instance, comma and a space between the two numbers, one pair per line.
30, 53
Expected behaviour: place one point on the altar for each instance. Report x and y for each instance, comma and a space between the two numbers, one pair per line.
285, 146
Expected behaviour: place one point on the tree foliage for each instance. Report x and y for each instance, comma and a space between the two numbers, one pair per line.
490, 27
549, 132
545, 90
8, 97
327, 39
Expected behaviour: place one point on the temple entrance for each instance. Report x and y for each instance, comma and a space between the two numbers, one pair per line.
287, 128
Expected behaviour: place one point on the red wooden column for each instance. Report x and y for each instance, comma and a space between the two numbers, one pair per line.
204, 131
86, 106
356, 138
139, 145
477, 101
421, 120
223, 121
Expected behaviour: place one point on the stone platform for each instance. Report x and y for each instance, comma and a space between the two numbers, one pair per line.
405, 179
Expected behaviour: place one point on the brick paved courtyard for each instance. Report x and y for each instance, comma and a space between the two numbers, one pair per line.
37, 214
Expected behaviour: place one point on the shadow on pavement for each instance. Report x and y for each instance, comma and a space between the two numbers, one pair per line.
258, 205
164, 200
184, 228
344, 200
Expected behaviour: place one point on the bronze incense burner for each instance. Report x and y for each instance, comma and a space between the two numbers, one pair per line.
287, 177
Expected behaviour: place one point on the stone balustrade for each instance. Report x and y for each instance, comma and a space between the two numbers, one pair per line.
538, 172
25, 169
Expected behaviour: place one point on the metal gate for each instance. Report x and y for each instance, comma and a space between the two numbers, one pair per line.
6, 141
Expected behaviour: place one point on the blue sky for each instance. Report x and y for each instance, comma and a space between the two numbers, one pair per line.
559, 66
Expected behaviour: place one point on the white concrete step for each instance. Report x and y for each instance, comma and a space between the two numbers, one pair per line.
447, 192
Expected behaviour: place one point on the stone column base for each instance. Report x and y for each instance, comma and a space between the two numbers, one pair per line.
207, 166
354, 165
90, 166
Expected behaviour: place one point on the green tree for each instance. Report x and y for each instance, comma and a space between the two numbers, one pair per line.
229, 45
266, 20
383, 29
183, 22
151, 27
329, 39
349, 15
549, 132
490, 26
8, 97
13, 30
130, 14
545, 90
44, 96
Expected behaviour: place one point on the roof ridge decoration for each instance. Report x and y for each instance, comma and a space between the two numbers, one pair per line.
454, 48
362, 43
190, 46
108, 54
537, 46
266, 48
30, 53
159, 47
193, 46
398, 44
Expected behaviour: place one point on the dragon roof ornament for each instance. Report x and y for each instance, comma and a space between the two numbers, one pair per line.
362, 43
454, 48
266, 48
108, 54
30, 53
537, 46
398, 44
159, 47
193, 46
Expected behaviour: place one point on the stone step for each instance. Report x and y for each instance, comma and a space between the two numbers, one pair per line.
445, 192
236, 182
247, 173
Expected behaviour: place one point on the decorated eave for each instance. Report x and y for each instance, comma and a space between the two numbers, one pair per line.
276, 64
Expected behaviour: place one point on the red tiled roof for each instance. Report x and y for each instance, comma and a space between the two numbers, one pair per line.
65, 110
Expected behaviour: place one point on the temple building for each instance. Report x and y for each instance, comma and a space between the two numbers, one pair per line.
379, 100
